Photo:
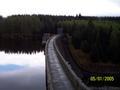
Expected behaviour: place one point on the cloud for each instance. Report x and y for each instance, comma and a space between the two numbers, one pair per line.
60, 7
117, 2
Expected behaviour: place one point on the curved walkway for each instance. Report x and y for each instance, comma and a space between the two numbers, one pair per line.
59, 79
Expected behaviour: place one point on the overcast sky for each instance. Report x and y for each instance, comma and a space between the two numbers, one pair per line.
61, 7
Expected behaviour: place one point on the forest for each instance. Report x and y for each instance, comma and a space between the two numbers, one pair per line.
98, 36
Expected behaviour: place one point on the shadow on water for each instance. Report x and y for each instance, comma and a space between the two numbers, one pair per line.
22, 65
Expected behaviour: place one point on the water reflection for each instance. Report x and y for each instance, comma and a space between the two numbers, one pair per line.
22, 71
21, 46
23, 59
10, 67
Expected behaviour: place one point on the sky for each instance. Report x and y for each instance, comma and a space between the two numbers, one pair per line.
61, 7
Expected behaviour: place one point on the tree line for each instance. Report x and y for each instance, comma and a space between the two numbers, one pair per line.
33, 26
98, 36
23, 33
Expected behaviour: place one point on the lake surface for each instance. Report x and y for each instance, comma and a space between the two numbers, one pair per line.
21, 71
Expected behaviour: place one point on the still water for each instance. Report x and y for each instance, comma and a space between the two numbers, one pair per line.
21, 71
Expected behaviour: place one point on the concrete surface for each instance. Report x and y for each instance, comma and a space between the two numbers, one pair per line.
59, 79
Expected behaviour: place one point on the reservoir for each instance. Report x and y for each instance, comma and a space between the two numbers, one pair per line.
22, 71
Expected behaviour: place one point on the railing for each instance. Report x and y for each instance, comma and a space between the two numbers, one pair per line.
77, 82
